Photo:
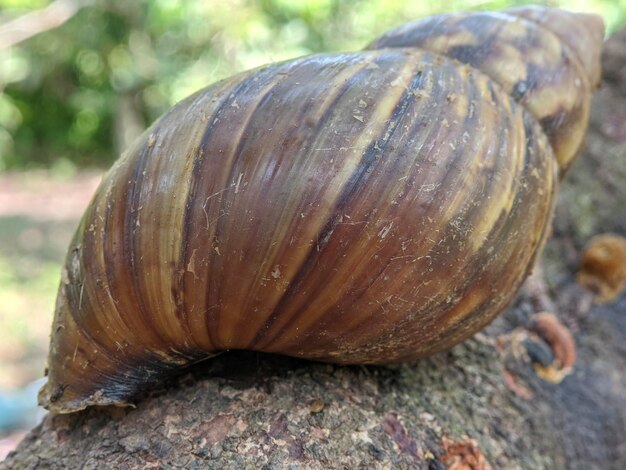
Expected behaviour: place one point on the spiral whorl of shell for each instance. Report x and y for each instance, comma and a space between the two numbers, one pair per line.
363, 207
541, 57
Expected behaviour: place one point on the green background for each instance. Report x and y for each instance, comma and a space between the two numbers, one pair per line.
77, 94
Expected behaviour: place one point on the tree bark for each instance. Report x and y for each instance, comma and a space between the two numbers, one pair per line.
479, 405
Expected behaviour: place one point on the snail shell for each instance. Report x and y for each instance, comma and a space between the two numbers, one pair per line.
365, 207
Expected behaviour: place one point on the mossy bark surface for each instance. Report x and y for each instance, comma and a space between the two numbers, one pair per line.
245, 410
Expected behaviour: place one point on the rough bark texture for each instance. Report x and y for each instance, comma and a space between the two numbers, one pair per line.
479, 404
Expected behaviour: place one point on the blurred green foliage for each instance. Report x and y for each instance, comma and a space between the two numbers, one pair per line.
75, 94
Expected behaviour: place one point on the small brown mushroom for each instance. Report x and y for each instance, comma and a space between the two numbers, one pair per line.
603, 267
316, 406
548, 327
463, 454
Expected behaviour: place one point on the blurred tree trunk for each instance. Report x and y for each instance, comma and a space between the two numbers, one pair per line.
54, 15
480, 405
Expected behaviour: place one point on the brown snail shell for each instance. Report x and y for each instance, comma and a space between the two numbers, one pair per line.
365, 207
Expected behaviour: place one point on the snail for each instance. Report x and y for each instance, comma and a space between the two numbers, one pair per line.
355, 208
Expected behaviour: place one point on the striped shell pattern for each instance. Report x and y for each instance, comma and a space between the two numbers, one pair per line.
366, 207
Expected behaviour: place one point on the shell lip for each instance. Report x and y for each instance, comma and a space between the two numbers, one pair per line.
66, 406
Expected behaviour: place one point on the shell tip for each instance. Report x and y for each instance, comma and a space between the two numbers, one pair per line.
583, 33
589, 44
